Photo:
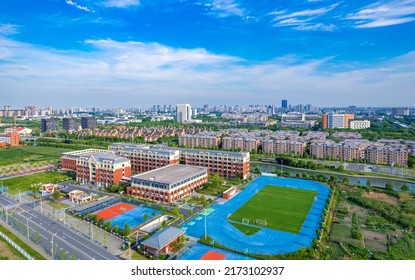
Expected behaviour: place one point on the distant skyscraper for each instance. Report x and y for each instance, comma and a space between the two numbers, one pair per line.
284, 104
183, 113
88, 122
400, 111
49, 125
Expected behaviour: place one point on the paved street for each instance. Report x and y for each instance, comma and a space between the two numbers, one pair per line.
24, 215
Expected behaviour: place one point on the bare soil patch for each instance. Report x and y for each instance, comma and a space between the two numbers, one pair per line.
382, 197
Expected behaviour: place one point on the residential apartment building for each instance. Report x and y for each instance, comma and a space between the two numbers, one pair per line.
394, 154
168, 183
247, 144
354, 149
199, 140
102, 169
283, 147
325, 149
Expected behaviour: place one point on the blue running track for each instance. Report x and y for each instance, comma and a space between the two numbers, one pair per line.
266, 241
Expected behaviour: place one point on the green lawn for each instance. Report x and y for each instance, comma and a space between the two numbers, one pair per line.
247, 230
58, 205
23, 183
282, 208
29, 154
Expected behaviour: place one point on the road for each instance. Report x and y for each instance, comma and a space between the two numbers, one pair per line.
67, 240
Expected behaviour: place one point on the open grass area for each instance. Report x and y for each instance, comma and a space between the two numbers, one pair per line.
246, 229
29, 154
282, 208
7, 252
58, 205
23, 183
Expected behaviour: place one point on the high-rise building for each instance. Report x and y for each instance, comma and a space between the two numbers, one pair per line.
71, 124
335, 121
347, 119
400, 111
183, 113
49, 125
332, 120
284, 104
88, 122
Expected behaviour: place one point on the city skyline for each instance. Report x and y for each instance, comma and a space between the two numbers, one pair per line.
116, 53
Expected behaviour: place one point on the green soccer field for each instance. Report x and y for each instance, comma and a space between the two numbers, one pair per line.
282, 208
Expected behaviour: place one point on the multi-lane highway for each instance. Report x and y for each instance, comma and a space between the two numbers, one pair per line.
74, 244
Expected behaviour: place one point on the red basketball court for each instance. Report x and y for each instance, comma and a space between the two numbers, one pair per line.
212, 255
115, 210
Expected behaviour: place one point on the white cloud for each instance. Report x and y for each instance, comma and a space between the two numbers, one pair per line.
384, 13
304, 19
140, 73
121, 3
72, 3
8, 29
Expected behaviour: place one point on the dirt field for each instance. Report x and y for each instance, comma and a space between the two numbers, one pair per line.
382, 197
375, 241
6, 252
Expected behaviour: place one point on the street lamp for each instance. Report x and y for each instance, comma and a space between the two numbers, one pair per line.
205, 226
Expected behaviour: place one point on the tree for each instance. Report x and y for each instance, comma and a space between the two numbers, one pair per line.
116, 228
38, 238
216, 180
346, 180
175, 211
63, 254
389, 186
56, 195
35, 190
114, 188
126, 230
405, 188
191, 212
145, 216
181, 216
108, 225
73, 256
104, 239
203, 201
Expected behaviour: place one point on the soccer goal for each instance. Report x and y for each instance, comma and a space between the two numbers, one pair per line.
262, 223
245, 221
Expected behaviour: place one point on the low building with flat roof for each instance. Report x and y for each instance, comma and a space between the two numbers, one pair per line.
168, 183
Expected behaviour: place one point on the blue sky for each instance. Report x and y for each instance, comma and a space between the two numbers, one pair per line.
130, 53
